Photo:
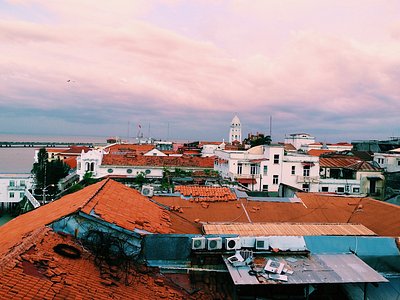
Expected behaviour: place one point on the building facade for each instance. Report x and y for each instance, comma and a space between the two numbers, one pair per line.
235, 132
12, 189
265, 167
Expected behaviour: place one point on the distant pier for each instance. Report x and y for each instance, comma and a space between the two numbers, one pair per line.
44, 144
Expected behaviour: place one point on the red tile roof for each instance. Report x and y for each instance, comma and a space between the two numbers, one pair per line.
336, 162
71, 162
111, 201
129, 148
318, 152
206, 193
158, 161
35, 271
316, 208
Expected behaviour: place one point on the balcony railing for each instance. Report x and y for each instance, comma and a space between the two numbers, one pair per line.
307, 179
16, 188
243, 176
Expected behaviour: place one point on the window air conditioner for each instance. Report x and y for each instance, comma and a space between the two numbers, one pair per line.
262, 243
147, 191
198, 243
214, 243
232, 243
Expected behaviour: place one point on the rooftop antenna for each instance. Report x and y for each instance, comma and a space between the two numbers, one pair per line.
129, 124
270, 126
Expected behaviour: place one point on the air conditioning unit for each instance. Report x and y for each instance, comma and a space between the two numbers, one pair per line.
262, 243
147, 191
233, 243
214, 243
247, 241
198, 243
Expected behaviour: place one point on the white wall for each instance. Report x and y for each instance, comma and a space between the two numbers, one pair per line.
14, 185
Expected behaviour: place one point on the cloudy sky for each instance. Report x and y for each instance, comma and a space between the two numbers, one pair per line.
182, 69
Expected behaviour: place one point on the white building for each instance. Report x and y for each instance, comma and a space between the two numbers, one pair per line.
12, 189
350, 176
337, 147
390, 161
265, 167
235, 132
299, 140
208, 149
127, 160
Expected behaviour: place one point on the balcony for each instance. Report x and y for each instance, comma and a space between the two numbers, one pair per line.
16, 188
243, 176
307, 179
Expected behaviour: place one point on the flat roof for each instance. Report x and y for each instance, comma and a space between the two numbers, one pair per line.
312, 269
287, 229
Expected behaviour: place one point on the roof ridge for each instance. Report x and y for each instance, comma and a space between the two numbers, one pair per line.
94, 194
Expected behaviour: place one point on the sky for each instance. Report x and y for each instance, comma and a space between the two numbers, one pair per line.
182, 69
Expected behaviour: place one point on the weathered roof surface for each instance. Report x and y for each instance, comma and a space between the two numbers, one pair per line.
35, 271
336, 162
157, 161
315, 269
287, 229
129, 148
71, 162
319, 152
363, 166
110, 201
379, 217
382, 218
206, 193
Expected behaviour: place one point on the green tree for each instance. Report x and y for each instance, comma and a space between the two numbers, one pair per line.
48, 172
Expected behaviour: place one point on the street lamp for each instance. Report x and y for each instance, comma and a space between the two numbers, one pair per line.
44, 193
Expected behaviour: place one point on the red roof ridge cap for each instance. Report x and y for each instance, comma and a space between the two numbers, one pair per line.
94, 194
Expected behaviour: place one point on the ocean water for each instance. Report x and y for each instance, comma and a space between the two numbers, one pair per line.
20, 160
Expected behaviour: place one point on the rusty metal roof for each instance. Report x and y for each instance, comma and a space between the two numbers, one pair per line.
315, 269
287, 229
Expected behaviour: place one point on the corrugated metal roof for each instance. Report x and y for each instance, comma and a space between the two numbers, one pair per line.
286, 229
314, 269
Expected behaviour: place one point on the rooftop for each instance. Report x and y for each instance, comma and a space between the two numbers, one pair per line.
206, 193
158, 161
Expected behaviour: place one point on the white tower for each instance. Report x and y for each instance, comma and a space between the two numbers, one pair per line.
235, 133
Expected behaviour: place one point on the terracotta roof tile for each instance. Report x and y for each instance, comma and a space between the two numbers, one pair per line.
315, 208
319, 152
157, 161
206, 193
111, 201
40, 273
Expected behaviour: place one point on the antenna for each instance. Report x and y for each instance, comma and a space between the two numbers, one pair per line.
270, 126
129, 124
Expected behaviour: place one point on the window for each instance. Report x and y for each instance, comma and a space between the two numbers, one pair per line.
22, 182
306, 187
11, 195
79, 166
275, 179
253, 169
129, 171
276, 158
380, 160
154, 154
265, 187
92, 167
324, 189
398, 162
293, 170
110, 170
21, 195
306, 171
356, 190
12, 183
340, 189
239, 169
265, 170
